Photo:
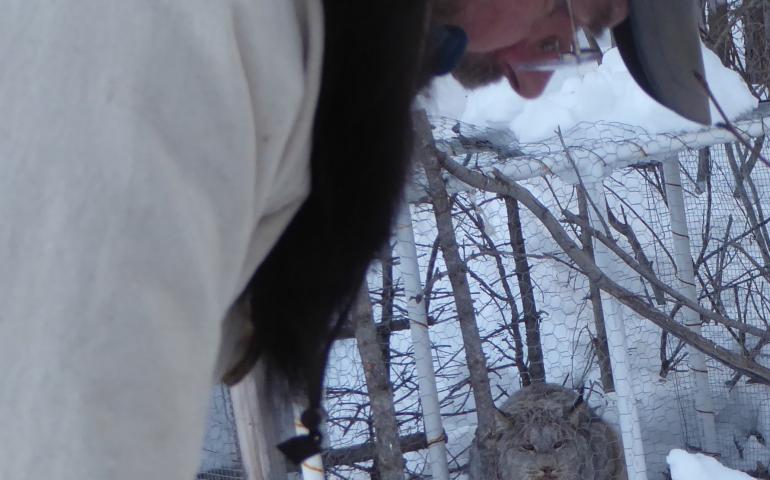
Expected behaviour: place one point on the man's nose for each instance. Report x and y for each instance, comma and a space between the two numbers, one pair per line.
596, 15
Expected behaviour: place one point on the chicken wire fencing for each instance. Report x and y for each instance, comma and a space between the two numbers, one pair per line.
728, 207
221, 455
508, 303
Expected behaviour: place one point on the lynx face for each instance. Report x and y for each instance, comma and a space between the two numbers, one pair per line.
547, 432
543, 452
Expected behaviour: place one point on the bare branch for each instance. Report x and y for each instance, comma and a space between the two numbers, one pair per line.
501, 186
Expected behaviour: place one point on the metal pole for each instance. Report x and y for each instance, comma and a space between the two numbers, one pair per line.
418, 327
686, 276
628, 416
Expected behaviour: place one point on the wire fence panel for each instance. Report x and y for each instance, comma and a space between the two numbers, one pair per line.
539, 314
221, 456
730, 213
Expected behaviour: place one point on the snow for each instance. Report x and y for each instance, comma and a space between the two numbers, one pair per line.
689, 466
606, 93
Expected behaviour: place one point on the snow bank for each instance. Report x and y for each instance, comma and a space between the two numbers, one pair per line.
689, 466
606, 93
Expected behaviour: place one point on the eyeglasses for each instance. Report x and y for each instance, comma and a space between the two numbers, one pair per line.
573, 57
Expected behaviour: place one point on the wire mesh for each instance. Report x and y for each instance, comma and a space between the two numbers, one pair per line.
553, 330
221, 456
735, 281
570, 348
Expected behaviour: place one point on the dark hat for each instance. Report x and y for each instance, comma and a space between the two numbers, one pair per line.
660, 44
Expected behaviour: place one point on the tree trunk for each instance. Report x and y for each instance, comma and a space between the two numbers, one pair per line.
531, 315
601, 347
704, 170
757, 40
456, 268
719, 36
518, 354
387, 306
510, 299
389, 461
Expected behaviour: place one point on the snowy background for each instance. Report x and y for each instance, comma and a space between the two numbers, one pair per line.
574, 102
590, 104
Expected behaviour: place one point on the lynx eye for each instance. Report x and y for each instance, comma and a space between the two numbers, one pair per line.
558, 444
528, 447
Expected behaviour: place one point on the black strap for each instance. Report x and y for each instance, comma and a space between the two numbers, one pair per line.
301, 447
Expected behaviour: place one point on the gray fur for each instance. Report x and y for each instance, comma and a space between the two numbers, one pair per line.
545, 433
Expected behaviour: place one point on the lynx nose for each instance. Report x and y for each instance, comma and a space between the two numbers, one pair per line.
547, 473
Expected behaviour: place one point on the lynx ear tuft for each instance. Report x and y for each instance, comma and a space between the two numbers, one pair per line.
580, 400
502, 419
578, 413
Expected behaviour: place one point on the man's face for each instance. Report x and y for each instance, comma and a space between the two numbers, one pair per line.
506, 34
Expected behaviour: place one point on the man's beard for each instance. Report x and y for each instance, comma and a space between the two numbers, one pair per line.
477, 69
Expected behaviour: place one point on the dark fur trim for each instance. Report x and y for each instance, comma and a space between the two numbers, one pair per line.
361, 145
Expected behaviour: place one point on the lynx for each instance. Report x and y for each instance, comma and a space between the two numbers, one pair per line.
547, 432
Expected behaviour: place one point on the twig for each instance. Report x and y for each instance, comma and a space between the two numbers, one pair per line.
726, 124
502, 186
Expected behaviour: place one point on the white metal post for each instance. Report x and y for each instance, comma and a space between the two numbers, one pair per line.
423, 357
628, 416
696, 360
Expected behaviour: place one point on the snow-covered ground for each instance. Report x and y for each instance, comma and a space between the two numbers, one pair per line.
689, 466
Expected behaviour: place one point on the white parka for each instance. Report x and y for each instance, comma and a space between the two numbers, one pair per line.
151, 152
